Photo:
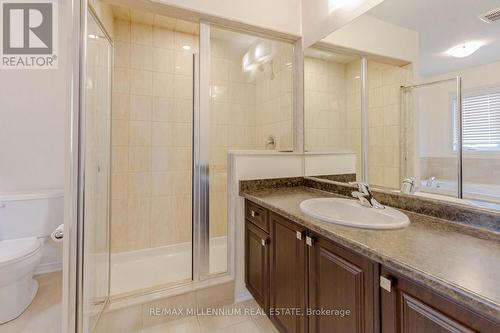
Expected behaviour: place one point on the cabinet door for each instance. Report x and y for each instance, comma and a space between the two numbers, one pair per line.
411, 308
288, 275
344, 281
257, 264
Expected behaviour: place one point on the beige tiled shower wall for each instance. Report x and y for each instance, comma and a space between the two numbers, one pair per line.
325, 102
243, 115
232, 123
384, 123
273, 100
333, 113
333, 106
151, 137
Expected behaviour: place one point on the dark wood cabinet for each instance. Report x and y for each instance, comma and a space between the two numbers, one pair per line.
295, 274
342, 285
257, 264
288, 275
412, 308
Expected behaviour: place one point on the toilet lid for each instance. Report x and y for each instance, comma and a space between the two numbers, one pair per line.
13, 249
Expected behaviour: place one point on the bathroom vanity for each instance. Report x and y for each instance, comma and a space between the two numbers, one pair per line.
313, 276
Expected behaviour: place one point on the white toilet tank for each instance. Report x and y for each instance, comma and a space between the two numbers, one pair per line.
34, 213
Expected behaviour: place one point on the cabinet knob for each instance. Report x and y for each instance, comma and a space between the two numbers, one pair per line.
263, 242
309, 241
254, 213
385, 283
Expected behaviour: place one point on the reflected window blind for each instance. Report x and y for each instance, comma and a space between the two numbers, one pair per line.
481, 122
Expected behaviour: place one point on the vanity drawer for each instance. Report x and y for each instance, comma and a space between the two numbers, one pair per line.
257, 215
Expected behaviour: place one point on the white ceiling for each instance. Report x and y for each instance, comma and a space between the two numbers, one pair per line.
443, 24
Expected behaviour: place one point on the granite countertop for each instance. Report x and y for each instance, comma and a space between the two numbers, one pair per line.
430, 250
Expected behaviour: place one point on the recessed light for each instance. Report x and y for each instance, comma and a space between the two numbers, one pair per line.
186, 47
465, 49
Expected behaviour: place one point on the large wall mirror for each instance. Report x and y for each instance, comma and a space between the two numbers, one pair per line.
407, 98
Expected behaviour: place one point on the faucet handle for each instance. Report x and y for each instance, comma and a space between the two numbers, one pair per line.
362, 187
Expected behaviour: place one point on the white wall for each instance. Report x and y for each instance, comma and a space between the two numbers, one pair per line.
280, 15
34, 105
320, 17
374, 36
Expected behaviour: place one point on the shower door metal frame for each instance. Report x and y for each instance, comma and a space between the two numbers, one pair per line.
201, 148
73, 251
364, 120
459, 118
201, 142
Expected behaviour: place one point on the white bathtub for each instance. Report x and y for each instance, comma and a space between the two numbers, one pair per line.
148, 268
483, 195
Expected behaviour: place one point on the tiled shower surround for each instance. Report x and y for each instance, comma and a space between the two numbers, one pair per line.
246, 107
152, 127
151, 136
384, 82
333, 113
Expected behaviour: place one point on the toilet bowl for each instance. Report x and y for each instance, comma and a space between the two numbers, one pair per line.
18, 260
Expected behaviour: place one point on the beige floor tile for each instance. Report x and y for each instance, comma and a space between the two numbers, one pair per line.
217, 322
246, 326
182, 302
44, 313
265, 324
128, 320
186, 325
215, 296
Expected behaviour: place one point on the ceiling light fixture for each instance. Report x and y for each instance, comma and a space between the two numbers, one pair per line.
257, 55
465, 49
186, 47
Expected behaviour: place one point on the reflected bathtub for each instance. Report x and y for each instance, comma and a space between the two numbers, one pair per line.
481, 195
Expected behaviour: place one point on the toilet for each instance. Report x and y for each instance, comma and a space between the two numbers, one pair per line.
26, 219
18, 261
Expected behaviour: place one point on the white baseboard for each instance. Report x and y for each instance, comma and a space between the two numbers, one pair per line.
48, 268
242, 295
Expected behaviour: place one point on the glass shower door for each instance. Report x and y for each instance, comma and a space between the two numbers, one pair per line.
430, 153
250, 108
481, 143
96, 136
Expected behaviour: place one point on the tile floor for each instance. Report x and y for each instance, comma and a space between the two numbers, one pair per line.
218, 324
44, 313
44, 316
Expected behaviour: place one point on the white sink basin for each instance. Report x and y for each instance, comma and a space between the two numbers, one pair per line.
351, 213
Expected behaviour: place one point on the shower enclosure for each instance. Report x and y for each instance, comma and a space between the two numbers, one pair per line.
95, 129
153, 150
430, 154
451, 139
352, 106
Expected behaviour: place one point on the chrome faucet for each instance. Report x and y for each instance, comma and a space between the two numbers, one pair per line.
365, 196
408, 185
271, 142
430, 181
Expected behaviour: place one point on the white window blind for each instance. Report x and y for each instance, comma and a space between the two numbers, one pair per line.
481, 122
